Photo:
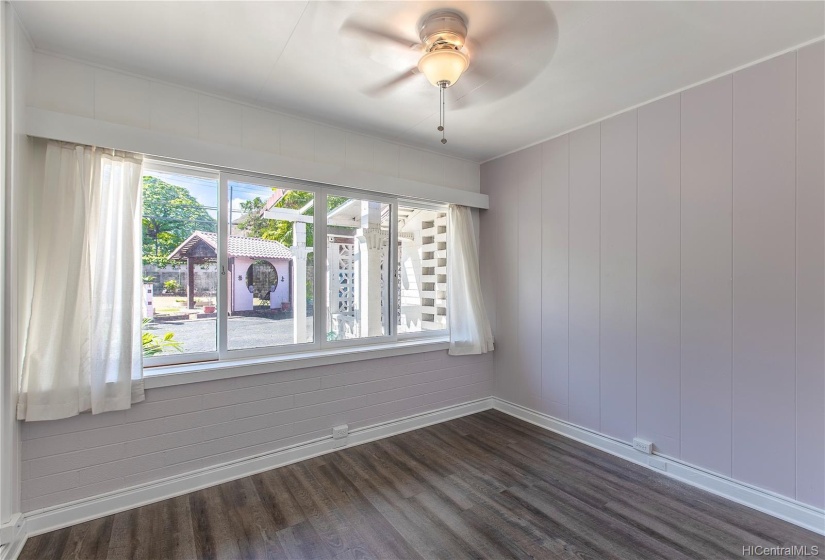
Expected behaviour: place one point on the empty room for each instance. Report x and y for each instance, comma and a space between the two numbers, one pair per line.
391, 280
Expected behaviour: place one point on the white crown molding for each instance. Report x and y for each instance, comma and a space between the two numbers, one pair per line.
775, 505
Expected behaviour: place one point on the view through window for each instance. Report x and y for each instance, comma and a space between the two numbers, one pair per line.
180, 271
270, 266
358, 261
422, 270
231, 262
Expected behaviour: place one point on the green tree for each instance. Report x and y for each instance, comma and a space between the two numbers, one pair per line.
170, 215
255, 225
253, 222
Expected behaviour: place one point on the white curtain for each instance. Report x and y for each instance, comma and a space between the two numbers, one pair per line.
470, 331
82, 348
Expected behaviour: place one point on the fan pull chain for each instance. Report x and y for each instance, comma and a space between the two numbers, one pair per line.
442, 86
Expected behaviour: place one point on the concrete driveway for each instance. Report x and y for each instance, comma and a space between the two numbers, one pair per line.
199, 335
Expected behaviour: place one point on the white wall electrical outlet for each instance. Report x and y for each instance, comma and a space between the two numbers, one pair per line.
643, 445
657, 464
339, 435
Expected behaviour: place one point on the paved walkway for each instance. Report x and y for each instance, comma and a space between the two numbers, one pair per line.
199, 335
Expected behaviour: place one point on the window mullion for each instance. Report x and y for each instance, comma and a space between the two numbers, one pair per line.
392, 273
223, 262
319, 311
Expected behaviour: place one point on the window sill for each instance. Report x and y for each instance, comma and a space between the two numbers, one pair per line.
166, 376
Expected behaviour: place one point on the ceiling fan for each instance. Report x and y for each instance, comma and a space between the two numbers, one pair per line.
492, 59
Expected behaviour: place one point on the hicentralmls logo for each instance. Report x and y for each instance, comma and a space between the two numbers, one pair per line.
780, 551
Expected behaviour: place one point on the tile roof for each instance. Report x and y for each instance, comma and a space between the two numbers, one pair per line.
239, 246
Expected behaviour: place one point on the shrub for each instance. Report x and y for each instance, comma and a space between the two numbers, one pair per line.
171, 286
154, 344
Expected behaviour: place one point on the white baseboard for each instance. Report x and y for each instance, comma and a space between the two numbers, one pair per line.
64, 515
778, 506
14, 537
49, 519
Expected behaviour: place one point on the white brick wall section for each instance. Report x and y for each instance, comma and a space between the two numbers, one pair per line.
187, 427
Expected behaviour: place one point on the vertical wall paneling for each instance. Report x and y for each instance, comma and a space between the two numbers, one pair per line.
497, 243
618, 277
219, 121
529, 199
359, 152
330, 145
555, 198
297, 139
122, 99
507, 278
63, 85
764, 286
682, 258
261, 130
488, 244
657, 352
810, 277
173, 110
585, 162
386, 158
706, 291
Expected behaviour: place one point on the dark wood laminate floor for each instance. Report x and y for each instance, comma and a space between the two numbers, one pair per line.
483, 486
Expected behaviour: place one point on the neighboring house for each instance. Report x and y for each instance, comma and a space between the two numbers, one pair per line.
257, 268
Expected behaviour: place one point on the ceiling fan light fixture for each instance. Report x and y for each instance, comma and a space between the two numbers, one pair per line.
443, 66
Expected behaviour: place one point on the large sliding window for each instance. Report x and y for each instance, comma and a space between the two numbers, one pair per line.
237, 266
180, 264
270, 265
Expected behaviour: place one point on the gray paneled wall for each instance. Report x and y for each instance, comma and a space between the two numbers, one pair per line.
186, 427
672, 285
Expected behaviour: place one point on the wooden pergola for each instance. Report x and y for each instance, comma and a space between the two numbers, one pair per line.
195, 250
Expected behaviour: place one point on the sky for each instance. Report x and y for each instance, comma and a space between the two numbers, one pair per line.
205, 191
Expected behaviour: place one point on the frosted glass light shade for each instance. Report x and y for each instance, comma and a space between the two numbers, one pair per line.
444, 65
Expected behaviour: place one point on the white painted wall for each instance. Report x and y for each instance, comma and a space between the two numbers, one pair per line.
661, 274
75, 88
186, 427
17, 65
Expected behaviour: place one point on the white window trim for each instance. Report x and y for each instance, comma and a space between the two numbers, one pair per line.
224, 352
181, 374
163, 371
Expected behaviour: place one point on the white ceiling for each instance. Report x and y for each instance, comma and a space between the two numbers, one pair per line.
293, 57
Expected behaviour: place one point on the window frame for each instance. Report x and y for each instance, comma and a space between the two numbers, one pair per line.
165, 364
435, 207
224, 353
393, 226
150, 166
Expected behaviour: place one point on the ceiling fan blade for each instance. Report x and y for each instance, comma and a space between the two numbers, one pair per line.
384, 88
356, 28
528, 35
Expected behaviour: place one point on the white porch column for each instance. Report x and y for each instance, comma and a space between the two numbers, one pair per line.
299, 281
370, 246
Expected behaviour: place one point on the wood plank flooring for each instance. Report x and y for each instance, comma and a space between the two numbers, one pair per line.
482, 486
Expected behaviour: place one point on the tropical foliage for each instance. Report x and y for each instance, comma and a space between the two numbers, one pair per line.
254, 224
171, 286
154, 344
170, 215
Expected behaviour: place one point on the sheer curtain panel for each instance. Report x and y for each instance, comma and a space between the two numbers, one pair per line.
470, 331
81, 348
